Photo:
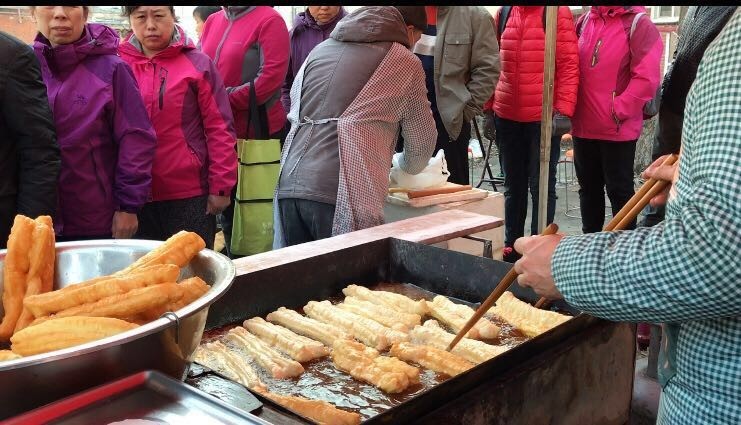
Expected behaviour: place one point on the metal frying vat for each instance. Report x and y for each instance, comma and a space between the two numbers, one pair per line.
165, 344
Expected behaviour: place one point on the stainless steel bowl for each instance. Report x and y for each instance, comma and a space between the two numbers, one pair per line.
166, 344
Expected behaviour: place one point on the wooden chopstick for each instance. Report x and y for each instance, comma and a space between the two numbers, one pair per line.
495, 294
632, 208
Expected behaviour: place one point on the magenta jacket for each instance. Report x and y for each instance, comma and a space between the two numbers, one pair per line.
616, 76
186, 101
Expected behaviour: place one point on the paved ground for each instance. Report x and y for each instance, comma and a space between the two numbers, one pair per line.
566, 191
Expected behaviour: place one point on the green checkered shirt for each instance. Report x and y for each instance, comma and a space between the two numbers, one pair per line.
685, 272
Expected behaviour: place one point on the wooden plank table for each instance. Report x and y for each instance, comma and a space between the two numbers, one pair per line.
427, 229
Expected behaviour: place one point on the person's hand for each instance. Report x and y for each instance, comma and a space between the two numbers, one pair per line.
217, 204
661, 172
124, 225
534, 268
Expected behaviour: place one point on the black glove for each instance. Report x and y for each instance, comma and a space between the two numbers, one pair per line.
561, 125
490, 130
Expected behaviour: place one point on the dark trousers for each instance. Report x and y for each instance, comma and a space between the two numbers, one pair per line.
161, 219
227, 216
601, 165
304, 220
456, 151
519, 144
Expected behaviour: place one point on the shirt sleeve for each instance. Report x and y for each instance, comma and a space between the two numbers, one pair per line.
136, 140
417, 124
645, 69
275, 49
567, 64
25, 111
484, 70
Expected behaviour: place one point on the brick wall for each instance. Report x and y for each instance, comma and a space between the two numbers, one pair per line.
25, 29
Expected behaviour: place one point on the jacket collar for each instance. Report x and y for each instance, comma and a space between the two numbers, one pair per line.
614, 11
96, 40
179, 42
235, 12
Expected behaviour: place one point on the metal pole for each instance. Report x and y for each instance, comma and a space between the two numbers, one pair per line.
547, 117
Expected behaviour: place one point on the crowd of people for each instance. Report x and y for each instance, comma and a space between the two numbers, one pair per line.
136, 138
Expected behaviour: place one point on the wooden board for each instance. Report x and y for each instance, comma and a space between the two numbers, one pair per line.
443, 198
427, 229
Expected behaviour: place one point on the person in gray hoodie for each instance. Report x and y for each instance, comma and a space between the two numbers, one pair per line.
353, 95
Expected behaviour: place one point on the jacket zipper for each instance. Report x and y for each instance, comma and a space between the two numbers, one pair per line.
595, 54
95, 168
221, 43
163, 83
614, 115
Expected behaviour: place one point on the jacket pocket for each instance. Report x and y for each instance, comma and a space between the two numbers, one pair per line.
97, 162
613, 114
457, 45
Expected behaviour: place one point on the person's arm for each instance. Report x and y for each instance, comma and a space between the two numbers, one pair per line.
566, 76
26, 112
417, 124
645, 62
484, 70
285, 91
218, 125
136, 140
687, 267
274, 50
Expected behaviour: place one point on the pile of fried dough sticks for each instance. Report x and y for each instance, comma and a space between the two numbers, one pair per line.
38, 319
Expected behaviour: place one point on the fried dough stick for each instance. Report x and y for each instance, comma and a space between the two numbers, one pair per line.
366, 330
66, 332
364, 363
299, 347
277, 365
530, 320
389, 299
386, 316
193, 288
470, 349
456, 316
56, 301
178, 249
126, 305
432, 358
40, 277
216, 356
314, 329
319, 411
15, 273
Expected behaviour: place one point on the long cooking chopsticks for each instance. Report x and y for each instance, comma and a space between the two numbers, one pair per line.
495, 294
630, 211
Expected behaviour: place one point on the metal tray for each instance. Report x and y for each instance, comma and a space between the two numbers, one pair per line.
165, 344
149, 396
589, 360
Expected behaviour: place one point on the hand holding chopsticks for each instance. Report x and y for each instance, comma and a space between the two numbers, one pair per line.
495, 294
651, 188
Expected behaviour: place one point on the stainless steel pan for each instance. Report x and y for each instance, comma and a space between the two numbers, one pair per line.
165, 344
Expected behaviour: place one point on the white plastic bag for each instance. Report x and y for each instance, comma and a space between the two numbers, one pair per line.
435, 174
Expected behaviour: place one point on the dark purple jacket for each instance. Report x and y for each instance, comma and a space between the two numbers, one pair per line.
305, 35
104, 133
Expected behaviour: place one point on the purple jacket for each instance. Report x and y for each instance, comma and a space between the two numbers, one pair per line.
105, 136
305, 35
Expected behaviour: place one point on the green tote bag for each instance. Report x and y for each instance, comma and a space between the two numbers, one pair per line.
259, 165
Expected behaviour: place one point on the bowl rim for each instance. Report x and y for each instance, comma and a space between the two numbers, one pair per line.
157, 325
